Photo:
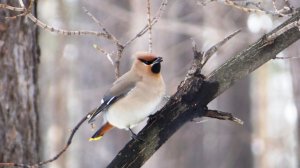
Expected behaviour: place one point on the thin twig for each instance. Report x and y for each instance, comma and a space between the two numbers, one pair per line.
257, 8
39, 23
274, 6
213, 49
12, 8
26, 10
149, 25
243, 8
109, 35
287, 58
120, 50
119, 46
107, 54
63, 31
271, 37
222, 116
56, 30
153, 21
285, 11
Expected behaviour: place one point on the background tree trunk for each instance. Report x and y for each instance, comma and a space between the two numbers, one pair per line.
19, 58
294, 51
295, 68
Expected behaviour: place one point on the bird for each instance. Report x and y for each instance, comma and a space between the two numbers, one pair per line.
133, 97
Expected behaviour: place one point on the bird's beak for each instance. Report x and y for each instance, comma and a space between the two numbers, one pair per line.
158, 60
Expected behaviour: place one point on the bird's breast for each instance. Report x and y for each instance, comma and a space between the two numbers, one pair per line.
137, 105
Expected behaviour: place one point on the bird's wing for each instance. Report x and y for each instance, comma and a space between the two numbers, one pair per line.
119, 89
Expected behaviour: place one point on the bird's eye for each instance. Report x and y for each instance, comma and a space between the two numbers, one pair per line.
146, 62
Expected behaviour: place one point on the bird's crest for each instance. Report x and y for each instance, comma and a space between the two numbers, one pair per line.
145, 56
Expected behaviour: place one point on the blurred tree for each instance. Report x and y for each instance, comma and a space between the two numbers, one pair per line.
295, 69
19, 58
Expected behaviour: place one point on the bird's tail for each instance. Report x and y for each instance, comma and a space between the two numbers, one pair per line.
100, 132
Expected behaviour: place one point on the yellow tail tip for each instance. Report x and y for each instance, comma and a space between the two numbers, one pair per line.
95, 139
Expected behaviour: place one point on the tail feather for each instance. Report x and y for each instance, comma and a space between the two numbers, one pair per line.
97, 135
100, 132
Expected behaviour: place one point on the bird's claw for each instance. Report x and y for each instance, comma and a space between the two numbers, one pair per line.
135, 136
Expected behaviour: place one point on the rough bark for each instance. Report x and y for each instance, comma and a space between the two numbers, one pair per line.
19, 58
194, 94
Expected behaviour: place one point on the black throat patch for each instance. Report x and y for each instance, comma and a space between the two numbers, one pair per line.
155, 68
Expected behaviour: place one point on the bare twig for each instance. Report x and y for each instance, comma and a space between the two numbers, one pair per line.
243, 8
120, 49
26, 10
50, 28
107, 54
204, 57
271, 37
39, 23
222, 116
153, 21
287, 10
63, 31
149, 25
274, 6
213, 49
109, 35
287, 58
12, 8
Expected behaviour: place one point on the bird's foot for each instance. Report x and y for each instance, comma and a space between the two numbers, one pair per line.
135, 136
151, 118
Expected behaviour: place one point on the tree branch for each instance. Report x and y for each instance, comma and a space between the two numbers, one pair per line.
195, 93
222, 116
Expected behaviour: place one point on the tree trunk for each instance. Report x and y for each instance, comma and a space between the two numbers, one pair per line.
19, 58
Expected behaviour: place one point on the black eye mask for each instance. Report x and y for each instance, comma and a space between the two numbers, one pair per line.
147, 62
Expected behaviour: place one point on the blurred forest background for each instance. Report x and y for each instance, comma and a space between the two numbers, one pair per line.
73, 77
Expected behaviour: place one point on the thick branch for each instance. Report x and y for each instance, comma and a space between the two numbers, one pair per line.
194, 93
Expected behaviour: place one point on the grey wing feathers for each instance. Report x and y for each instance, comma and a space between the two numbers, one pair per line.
106, 101
119, 89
